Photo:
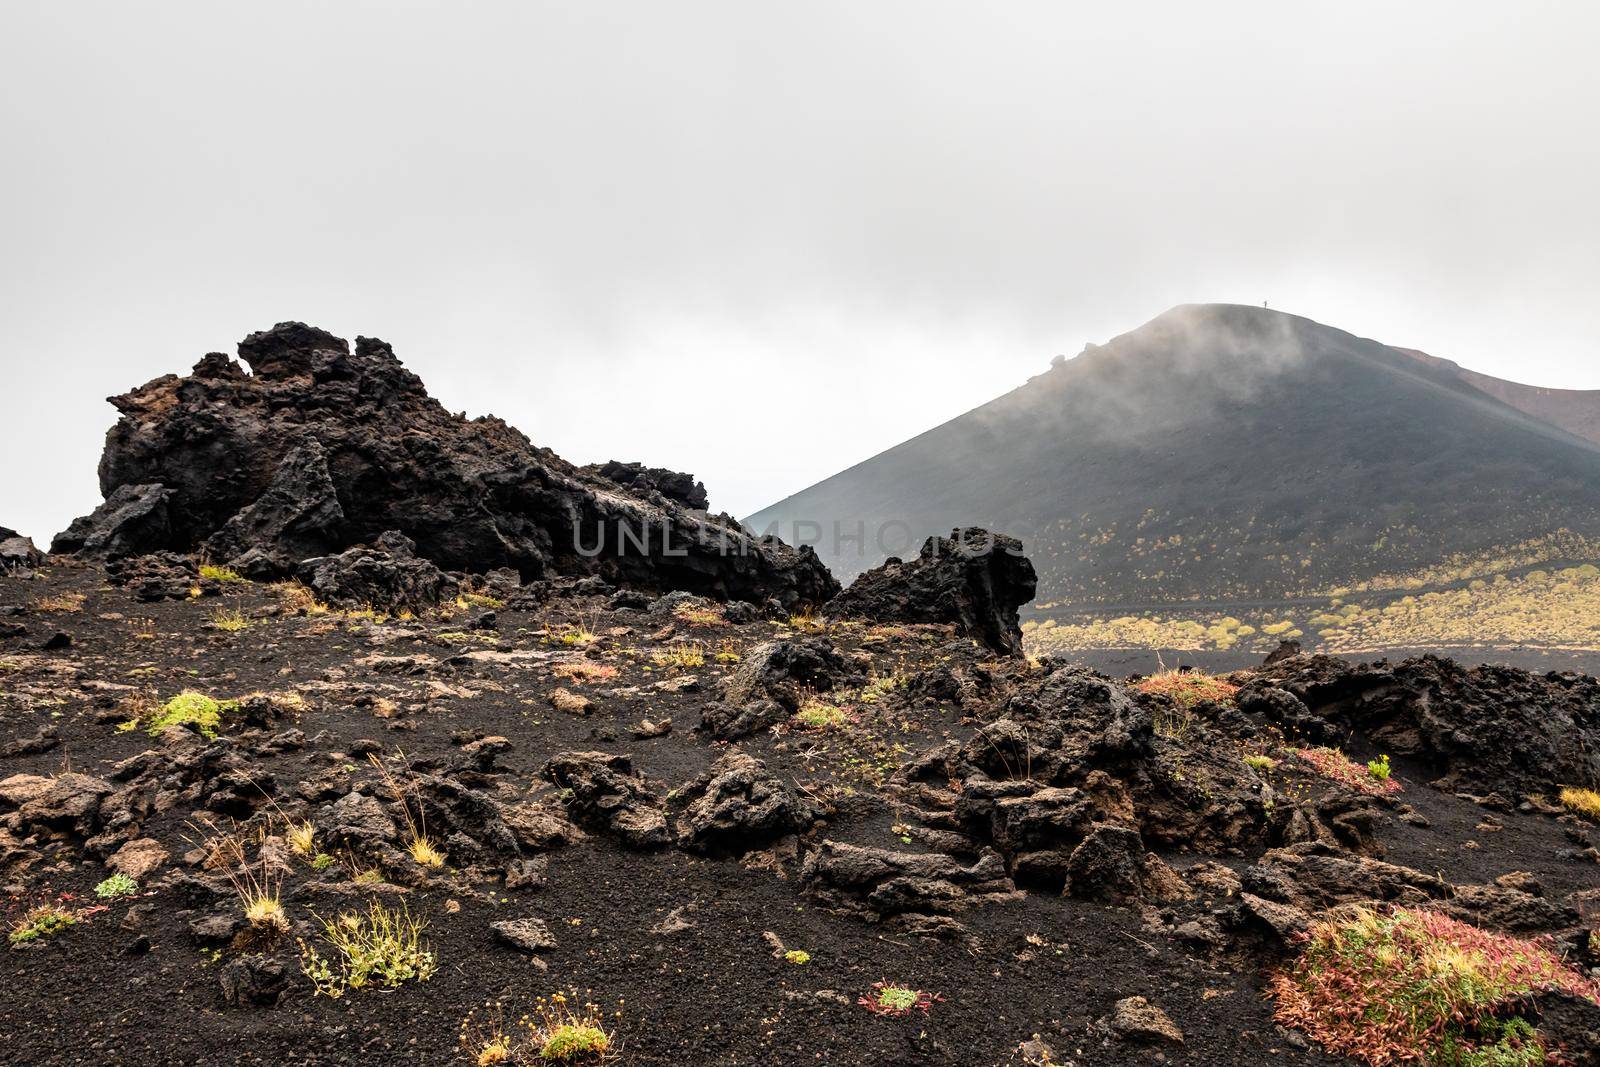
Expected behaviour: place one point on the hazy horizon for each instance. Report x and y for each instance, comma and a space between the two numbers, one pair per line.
762, 245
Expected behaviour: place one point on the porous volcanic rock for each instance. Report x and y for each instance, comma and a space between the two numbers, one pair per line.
387, 575
602, 793
880, 883
769, 685
356, 820
253, 980
1482, 728
134, 519
1136, 1019
526, 935
67, 802
1313, 876
156, 575
974, 579
738, 806
323, 447
1110, 865
17, 552
297, 517
1072, 757
780, 670
674, 486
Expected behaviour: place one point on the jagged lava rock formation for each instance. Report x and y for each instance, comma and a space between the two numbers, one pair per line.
885, 802
974, 579
323, 447
17, 553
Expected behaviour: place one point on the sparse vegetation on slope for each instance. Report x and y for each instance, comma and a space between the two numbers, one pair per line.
896, 1000
1012, 829
380, 949
195, 710
41, 924
1189, 688
1556, 609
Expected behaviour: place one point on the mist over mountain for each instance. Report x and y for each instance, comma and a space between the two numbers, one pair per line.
1224, 451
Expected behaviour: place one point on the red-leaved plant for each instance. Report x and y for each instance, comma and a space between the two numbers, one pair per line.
886, 999
1417, 987
1188, 688
1335, 766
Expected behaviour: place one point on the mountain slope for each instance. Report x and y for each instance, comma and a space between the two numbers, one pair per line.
1575, 410
1219, 451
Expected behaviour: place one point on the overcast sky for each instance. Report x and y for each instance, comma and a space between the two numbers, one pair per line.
763, 241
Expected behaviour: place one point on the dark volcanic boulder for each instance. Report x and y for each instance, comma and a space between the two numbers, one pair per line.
1313, 876
134, 519
386, 576
65, 802
681, 488
1485, 728
253, 980
602, 793
17, 552
880, 883
1109, 865
769, 685
973, 578
781, 670
323, 448
356, 820
157, 576
738, 806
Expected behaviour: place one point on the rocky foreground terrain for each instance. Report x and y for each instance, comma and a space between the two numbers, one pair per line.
664, 800
289, 775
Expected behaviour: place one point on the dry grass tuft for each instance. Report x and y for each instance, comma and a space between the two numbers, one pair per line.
807, 621
302, 837
559, 1030
425, 852
257, 884
817, 714
61, 603
577, 635
699, 615
687, 655
296, 597
475, 600
419, 846
214, 573
584, 671
229, 620
1584, 802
